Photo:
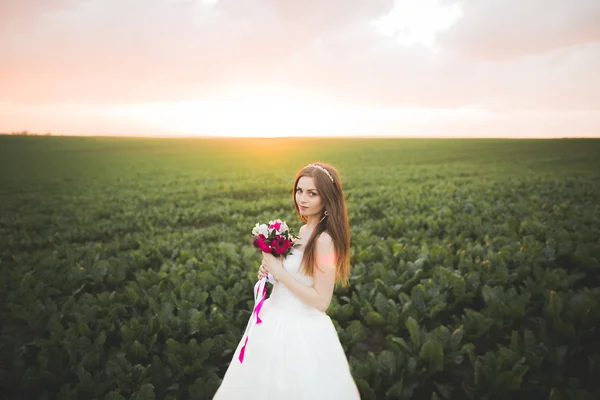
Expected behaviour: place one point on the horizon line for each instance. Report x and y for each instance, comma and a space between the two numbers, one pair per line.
365, 136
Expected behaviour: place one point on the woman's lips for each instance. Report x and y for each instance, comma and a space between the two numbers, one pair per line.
303, 208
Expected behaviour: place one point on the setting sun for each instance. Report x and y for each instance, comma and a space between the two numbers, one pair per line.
265, 111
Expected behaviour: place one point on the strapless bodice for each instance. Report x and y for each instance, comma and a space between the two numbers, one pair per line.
282, 297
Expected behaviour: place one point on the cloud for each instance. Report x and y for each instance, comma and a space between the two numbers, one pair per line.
320, 16
25, 13
148, 49
381, 73
502, 30
498, 55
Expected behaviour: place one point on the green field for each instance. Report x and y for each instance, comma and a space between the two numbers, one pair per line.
127, 267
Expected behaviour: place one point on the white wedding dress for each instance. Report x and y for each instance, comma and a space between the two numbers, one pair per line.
294, 354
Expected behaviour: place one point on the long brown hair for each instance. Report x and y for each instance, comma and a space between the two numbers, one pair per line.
335, 224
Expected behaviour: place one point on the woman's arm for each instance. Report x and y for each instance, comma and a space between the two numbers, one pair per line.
318, 296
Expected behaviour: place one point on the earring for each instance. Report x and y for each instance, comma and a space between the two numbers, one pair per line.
324, 215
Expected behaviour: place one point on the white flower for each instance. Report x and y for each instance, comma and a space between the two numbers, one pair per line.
284, 228
263, 230
260, 229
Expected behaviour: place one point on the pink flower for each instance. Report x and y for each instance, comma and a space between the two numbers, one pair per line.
264, 246
281, 244
280, 250
274, 239
276, 225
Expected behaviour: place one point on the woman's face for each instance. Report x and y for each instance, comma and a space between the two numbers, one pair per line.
308, 198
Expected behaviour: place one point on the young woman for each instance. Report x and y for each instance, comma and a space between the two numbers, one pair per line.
295, 352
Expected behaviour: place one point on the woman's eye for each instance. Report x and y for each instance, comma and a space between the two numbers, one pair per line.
310, 193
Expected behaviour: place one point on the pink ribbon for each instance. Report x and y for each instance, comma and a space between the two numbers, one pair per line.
258, 303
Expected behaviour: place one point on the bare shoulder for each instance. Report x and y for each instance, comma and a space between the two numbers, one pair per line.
301, 229
325, 243
325, 253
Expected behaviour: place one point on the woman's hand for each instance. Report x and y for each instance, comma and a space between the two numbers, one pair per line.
273, 265
262, 272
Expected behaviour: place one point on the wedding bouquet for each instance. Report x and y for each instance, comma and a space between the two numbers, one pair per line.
276, 239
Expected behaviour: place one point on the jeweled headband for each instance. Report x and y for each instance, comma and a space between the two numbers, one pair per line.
322, 169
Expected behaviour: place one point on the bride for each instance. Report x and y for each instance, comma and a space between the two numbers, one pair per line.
295, 353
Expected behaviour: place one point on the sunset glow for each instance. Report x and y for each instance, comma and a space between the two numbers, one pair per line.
383, 68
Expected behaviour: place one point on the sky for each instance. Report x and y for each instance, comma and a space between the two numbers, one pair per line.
441, 68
